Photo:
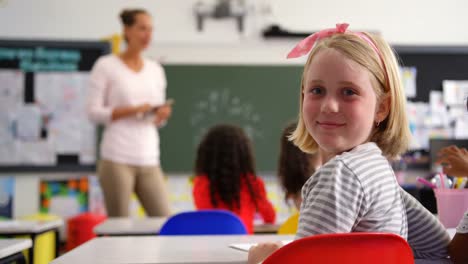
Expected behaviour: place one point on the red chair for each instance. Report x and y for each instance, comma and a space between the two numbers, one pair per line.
80, 228
349, 248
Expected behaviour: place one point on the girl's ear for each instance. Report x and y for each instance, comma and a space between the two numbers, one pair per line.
383, 109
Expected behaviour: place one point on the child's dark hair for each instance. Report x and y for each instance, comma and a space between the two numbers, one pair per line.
225, 157
128, 16
294, 166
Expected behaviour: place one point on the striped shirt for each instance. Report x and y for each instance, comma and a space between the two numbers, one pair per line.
355, 191
427, 237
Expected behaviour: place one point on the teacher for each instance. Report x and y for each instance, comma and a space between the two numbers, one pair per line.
127, 95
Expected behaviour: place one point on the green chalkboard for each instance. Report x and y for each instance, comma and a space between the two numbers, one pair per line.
261, 99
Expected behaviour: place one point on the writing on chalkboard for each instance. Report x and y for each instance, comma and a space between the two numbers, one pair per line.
224, 106
259, 99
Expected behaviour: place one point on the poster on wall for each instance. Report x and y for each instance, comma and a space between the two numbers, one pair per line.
7, 185
96, 197
455, 92
408, 78
65, 198
43, 120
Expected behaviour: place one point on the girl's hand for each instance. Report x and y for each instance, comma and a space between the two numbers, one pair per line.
261, 251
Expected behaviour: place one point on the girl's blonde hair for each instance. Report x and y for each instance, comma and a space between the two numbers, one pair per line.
392, 134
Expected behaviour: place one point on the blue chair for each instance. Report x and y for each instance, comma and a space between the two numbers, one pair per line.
204, 222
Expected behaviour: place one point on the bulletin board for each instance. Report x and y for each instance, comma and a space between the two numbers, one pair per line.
433, 65
43, 122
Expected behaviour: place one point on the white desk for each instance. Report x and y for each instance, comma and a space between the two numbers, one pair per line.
260, 227
163, 249
10, 249
31, 228
22, 227
167, 249
123, 226
264, 228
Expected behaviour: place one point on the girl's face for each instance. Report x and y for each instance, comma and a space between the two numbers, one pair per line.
339, 103
140, 33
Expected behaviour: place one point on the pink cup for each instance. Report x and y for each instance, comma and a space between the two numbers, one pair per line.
451, 205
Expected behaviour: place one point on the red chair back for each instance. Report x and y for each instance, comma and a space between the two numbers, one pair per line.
80, 228
349, 248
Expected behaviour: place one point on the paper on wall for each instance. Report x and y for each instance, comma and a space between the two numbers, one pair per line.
408, 76
461, 128
11, 89
39, 152
439, 114
455, 92
29, 123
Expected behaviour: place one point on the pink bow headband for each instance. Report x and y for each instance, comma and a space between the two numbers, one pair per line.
307, 44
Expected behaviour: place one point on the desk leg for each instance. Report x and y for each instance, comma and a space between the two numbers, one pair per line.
57, 242
31, 250
16, 258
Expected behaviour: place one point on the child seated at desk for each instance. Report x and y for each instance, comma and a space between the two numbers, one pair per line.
226, 178
352, 112
294, 166
455, 162
426, 235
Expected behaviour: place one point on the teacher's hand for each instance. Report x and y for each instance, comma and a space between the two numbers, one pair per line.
142, 109
162, 114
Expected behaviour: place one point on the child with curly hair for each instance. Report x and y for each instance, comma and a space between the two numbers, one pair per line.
226, 178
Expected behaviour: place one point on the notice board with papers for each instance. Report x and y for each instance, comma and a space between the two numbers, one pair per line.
43, 122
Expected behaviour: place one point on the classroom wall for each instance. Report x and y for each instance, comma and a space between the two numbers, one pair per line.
178, 41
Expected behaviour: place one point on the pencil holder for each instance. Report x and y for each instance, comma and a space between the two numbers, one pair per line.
451, 205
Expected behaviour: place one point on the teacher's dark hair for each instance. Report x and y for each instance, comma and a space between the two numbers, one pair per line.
128, 16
